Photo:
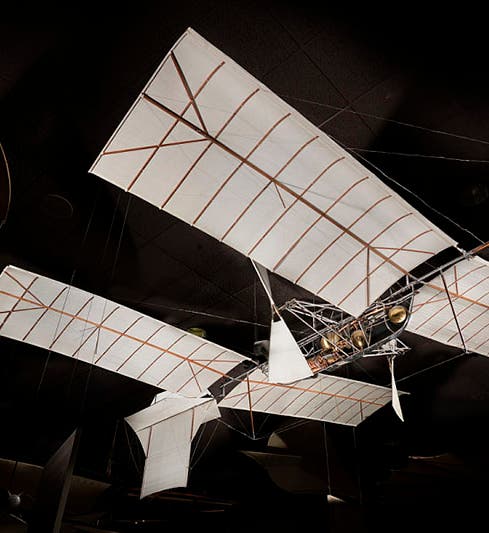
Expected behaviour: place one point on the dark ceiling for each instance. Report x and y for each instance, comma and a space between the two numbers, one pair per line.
405, 91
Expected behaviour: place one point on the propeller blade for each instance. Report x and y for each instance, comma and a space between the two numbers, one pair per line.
262, 273
286, 362
396, 404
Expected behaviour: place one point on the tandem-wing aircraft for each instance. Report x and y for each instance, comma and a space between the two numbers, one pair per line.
208, 143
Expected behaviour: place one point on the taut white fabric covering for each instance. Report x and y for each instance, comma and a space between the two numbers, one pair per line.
213, 146
468, 286
326, 398
67, 320
165, 430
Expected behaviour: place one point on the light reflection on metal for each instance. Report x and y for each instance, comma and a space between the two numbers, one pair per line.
358, 339
335, 338
397, 314
326, 346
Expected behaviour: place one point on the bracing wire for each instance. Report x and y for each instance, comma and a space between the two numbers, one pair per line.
419, 156
72, 277
119, 243
408, 125
111, 453
264, 421
201, 313
247, 435
292, 425
384, 119
440, 363
233, 411
136, 464
406, 189
116, 258
111, 226
196, 443
206, 446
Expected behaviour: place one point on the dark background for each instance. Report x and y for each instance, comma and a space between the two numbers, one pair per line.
404, 90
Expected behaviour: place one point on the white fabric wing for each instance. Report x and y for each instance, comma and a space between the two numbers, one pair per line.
67, 320
468, 289
165, 430
213, 146
325, 397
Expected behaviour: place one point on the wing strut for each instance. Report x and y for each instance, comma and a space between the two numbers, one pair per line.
453, 309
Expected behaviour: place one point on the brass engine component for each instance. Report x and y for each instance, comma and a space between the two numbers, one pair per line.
397, 314
333, 342
358, 339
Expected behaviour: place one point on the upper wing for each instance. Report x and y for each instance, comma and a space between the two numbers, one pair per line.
62, 318
325, 397
213, 146
458, 314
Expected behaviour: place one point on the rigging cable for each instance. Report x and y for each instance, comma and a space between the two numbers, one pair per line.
404, 124
108, 470
406, 189
130, 451
48, 357
390, 120
206, 446
304, 50
94, 207
229, 426
433, 366
292, 425
453, 311
116, 258
420, 156
194, 312
109, 233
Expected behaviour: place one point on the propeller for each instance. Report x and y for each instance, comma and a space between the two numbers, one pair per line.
286, 362
396, 404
